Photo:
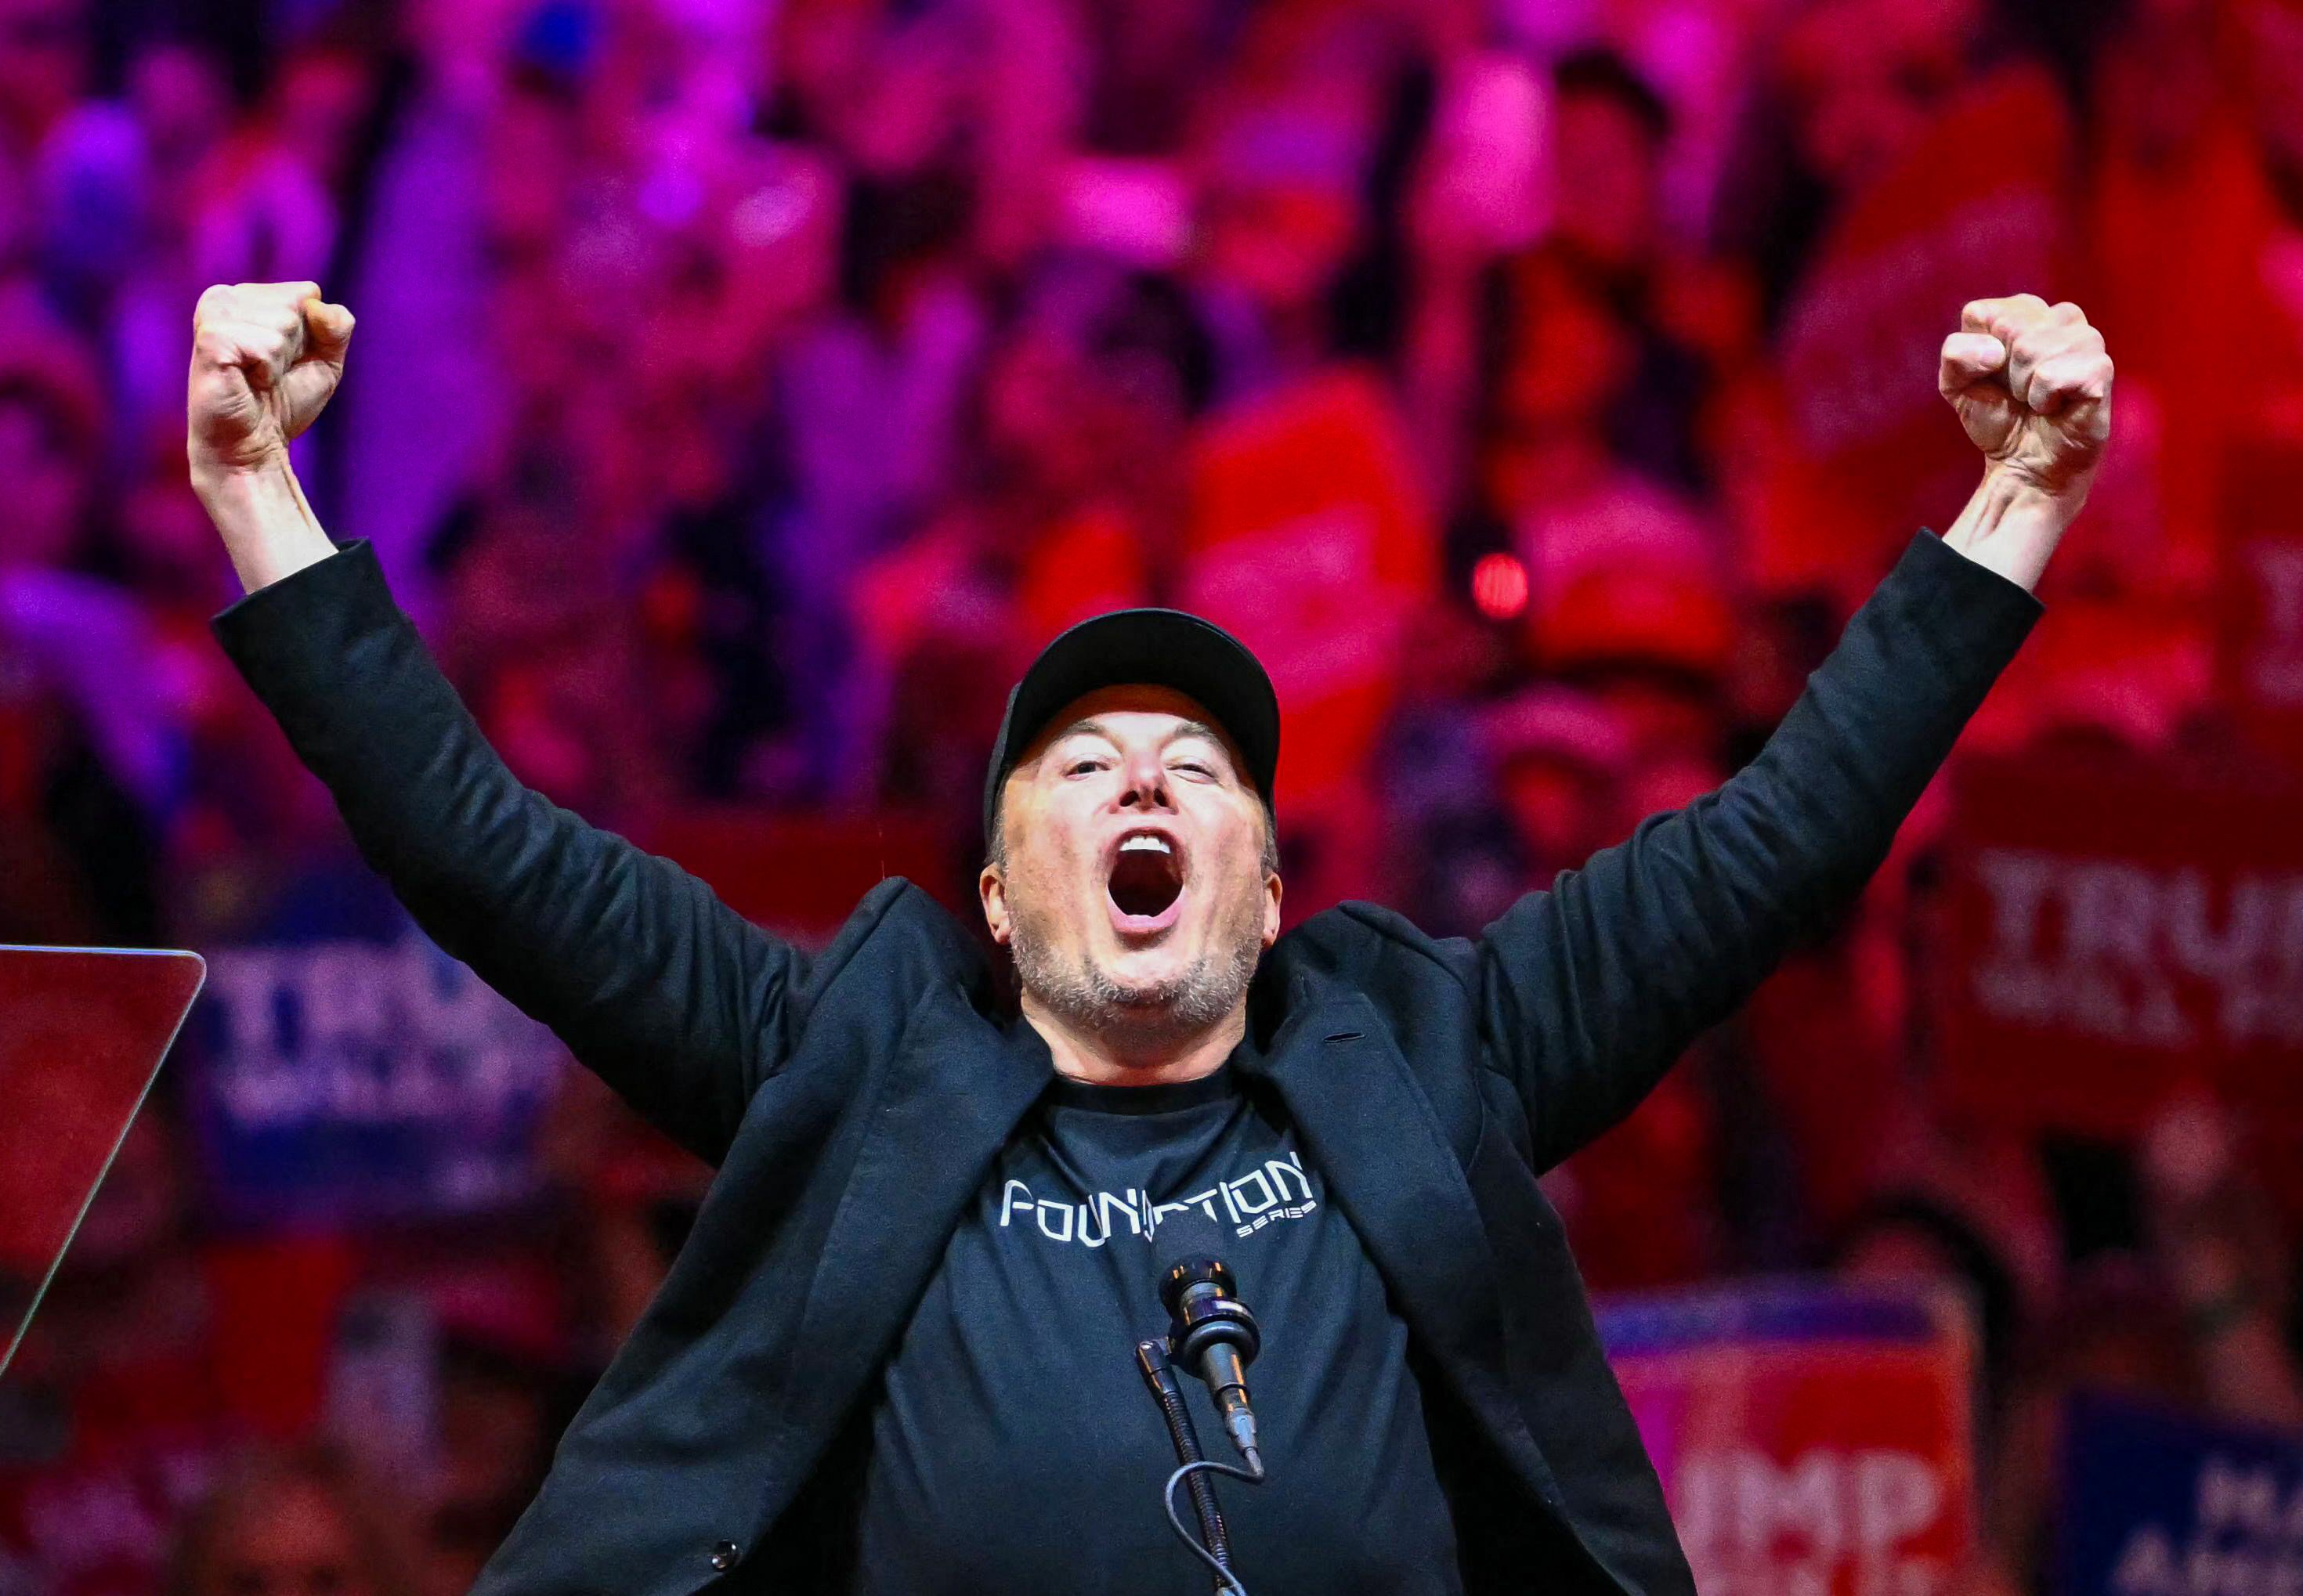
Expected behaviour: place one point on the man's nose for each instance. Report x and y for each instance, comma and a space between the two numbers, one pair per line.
1147, 782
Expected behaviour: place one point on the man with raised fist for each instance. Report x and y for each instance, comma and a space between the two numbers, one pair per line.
895, 1353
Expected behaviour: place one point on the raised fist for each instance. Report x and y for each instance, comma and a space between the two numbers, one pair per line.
266, 356
2032, 385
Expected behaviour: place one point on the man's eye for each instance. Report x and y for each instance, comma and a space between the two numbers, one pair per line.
1082, 767
1196, 769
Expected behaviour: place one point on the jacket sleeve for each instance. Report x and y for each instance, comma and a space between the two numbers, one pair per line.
676, 1002
1589, 992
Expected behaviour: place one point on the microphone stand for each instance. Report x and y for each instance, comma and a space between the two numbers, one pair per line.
1160, 1379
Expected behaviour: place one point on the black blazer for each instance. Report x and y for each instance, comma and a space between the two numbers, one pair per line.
853, 1100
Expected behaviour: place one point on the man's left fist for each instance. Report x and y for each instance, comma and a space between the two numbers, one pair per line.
2032, 386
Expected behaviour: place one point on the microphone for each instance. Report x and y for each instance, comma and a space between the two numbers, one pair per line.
1210, 1330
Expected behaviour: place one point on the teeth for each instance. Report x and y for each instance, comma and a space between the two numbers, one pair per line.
1143, 844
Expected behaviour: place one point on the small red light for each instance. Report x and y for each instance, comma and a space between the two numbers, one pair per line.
1500, 586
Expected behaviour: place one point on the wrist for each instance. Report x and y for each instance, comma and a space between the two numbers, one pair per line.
2011, 525
2015, 491
239, 492
267, 527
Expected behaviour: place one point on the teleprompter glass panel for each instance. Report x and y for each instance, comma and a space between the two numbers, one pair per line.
82, 1032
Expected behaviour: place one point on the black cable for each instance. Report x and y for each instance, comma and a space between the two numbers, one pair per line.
1227, 1582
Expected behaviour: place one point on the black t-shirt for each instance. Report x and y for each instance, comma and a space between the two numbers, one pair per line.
1014, 1446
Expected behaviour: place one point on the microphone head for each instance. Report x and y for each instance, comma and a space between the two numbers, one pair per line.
1200, 1293
1191, 1244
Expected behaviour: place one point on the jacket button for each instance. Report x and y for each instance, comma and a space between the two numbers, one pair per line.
724, 1554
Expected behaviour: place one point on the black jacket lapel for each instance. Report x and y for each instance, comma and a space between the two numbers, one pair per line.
941, 1110
1367, 1123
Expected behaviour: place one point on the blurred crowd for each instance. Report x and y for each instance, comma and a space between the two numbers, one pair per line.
744, 389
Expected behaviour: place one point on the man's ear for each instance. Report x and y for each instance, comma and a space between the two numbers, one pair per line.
1271, 891
993, 891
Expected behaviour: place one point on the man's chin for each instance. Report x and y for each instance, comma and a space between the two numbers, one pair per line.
1164, 960
1148, 977
1169, 988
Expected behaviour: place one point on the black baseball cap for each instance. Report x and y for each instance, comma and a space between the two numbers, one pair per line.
1165, 648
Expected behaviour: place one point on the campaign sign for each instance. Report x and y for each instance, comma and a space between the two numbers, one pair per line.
1310, 541
1947, 221
2157, 1503
1812, 1439
356, 1079
2106, 953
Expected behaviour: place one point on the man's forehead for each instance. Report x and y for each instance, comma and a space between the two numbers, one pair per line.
1108, 706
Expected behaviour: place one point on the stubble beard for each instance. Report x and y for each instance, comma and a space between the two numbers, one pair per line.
1088, 998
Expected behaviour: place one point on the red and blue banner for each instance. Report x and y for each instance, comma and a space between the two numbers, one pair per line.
1812, 1439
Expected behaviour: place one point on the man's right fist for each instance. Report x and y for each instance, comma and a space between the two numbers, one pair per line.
266, 356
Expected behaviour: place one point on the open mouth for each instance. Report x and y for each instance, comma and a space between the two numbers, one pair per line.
1146, 884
